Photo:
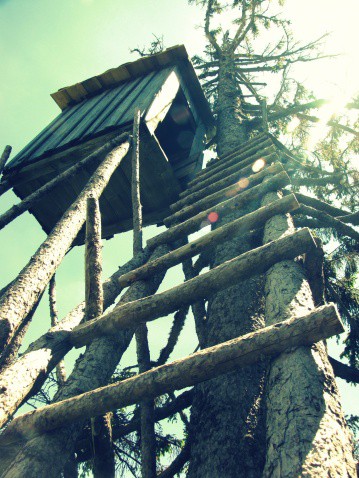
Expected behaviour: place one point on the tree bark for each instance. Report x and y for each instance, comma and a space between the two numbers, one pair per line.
306, 431
221, 277
46, 455
214, 361
22, 294
22, 379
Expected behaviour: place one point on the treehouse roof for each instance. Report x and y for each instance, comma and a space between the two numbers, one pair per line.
106, 102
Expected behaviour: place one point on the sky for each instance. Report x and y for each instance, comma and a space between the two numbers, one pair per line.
48, 44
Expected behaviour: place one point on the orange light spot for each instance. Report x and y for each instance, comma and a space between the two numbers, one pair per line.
258, 165
243, 183
213, 217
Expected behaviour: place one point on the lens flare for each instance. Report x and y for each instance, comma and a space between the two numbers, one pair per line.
243, 183
258, 165
212, 217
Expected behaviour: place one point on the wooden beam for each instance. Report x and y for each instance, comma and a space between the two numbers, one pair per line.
319, 324
225, 275
39, 194
22, 294
235, 189
239, 226
200, 220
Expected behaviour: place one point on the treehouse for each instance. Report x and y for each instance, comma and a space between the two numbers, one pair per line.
175, 117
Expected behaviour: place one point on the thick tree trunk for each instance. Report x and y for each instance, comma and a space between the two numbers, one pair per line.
227, 426
23, 293
45, 456
306, 431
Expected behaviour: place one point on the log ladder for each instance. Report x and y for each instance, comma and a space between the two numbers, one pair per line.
252, 172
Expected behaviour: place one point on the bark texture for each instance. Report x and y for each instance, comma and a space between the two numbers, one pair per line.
22, 294
45, 456
306, 432
4, 157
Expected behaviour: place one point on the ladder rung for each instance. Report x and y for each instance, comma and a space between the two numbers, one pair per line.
224, 181
233, 190
253, 262
222, 208
239, 226
322, 323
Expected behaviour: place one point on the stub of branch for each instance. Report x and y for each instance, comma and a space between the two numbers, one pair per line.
321, 323
225, 275
4, 157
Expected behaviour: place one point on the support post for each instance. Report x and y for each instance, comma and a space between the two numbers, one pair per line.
104, 456
148, 439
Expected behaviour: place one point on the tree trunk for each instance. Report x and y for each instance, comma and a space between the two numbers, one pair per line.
306, 431
227, 426
46, 455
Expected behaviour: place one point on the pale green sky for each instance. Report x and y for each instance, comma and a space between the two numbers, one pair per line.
48, 44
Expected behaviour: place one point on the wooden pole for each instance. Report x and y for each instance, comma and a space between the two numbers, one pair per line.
203, 365
39, 194
60, 367
4, 157
196, 222
104, 456
22, 379
20, 297
93, 261
237, 188
239, 226
135, 185
148, 438
225, 275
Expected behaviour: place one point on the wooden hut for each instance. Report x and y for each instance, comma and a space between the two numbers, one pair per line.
175, 117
